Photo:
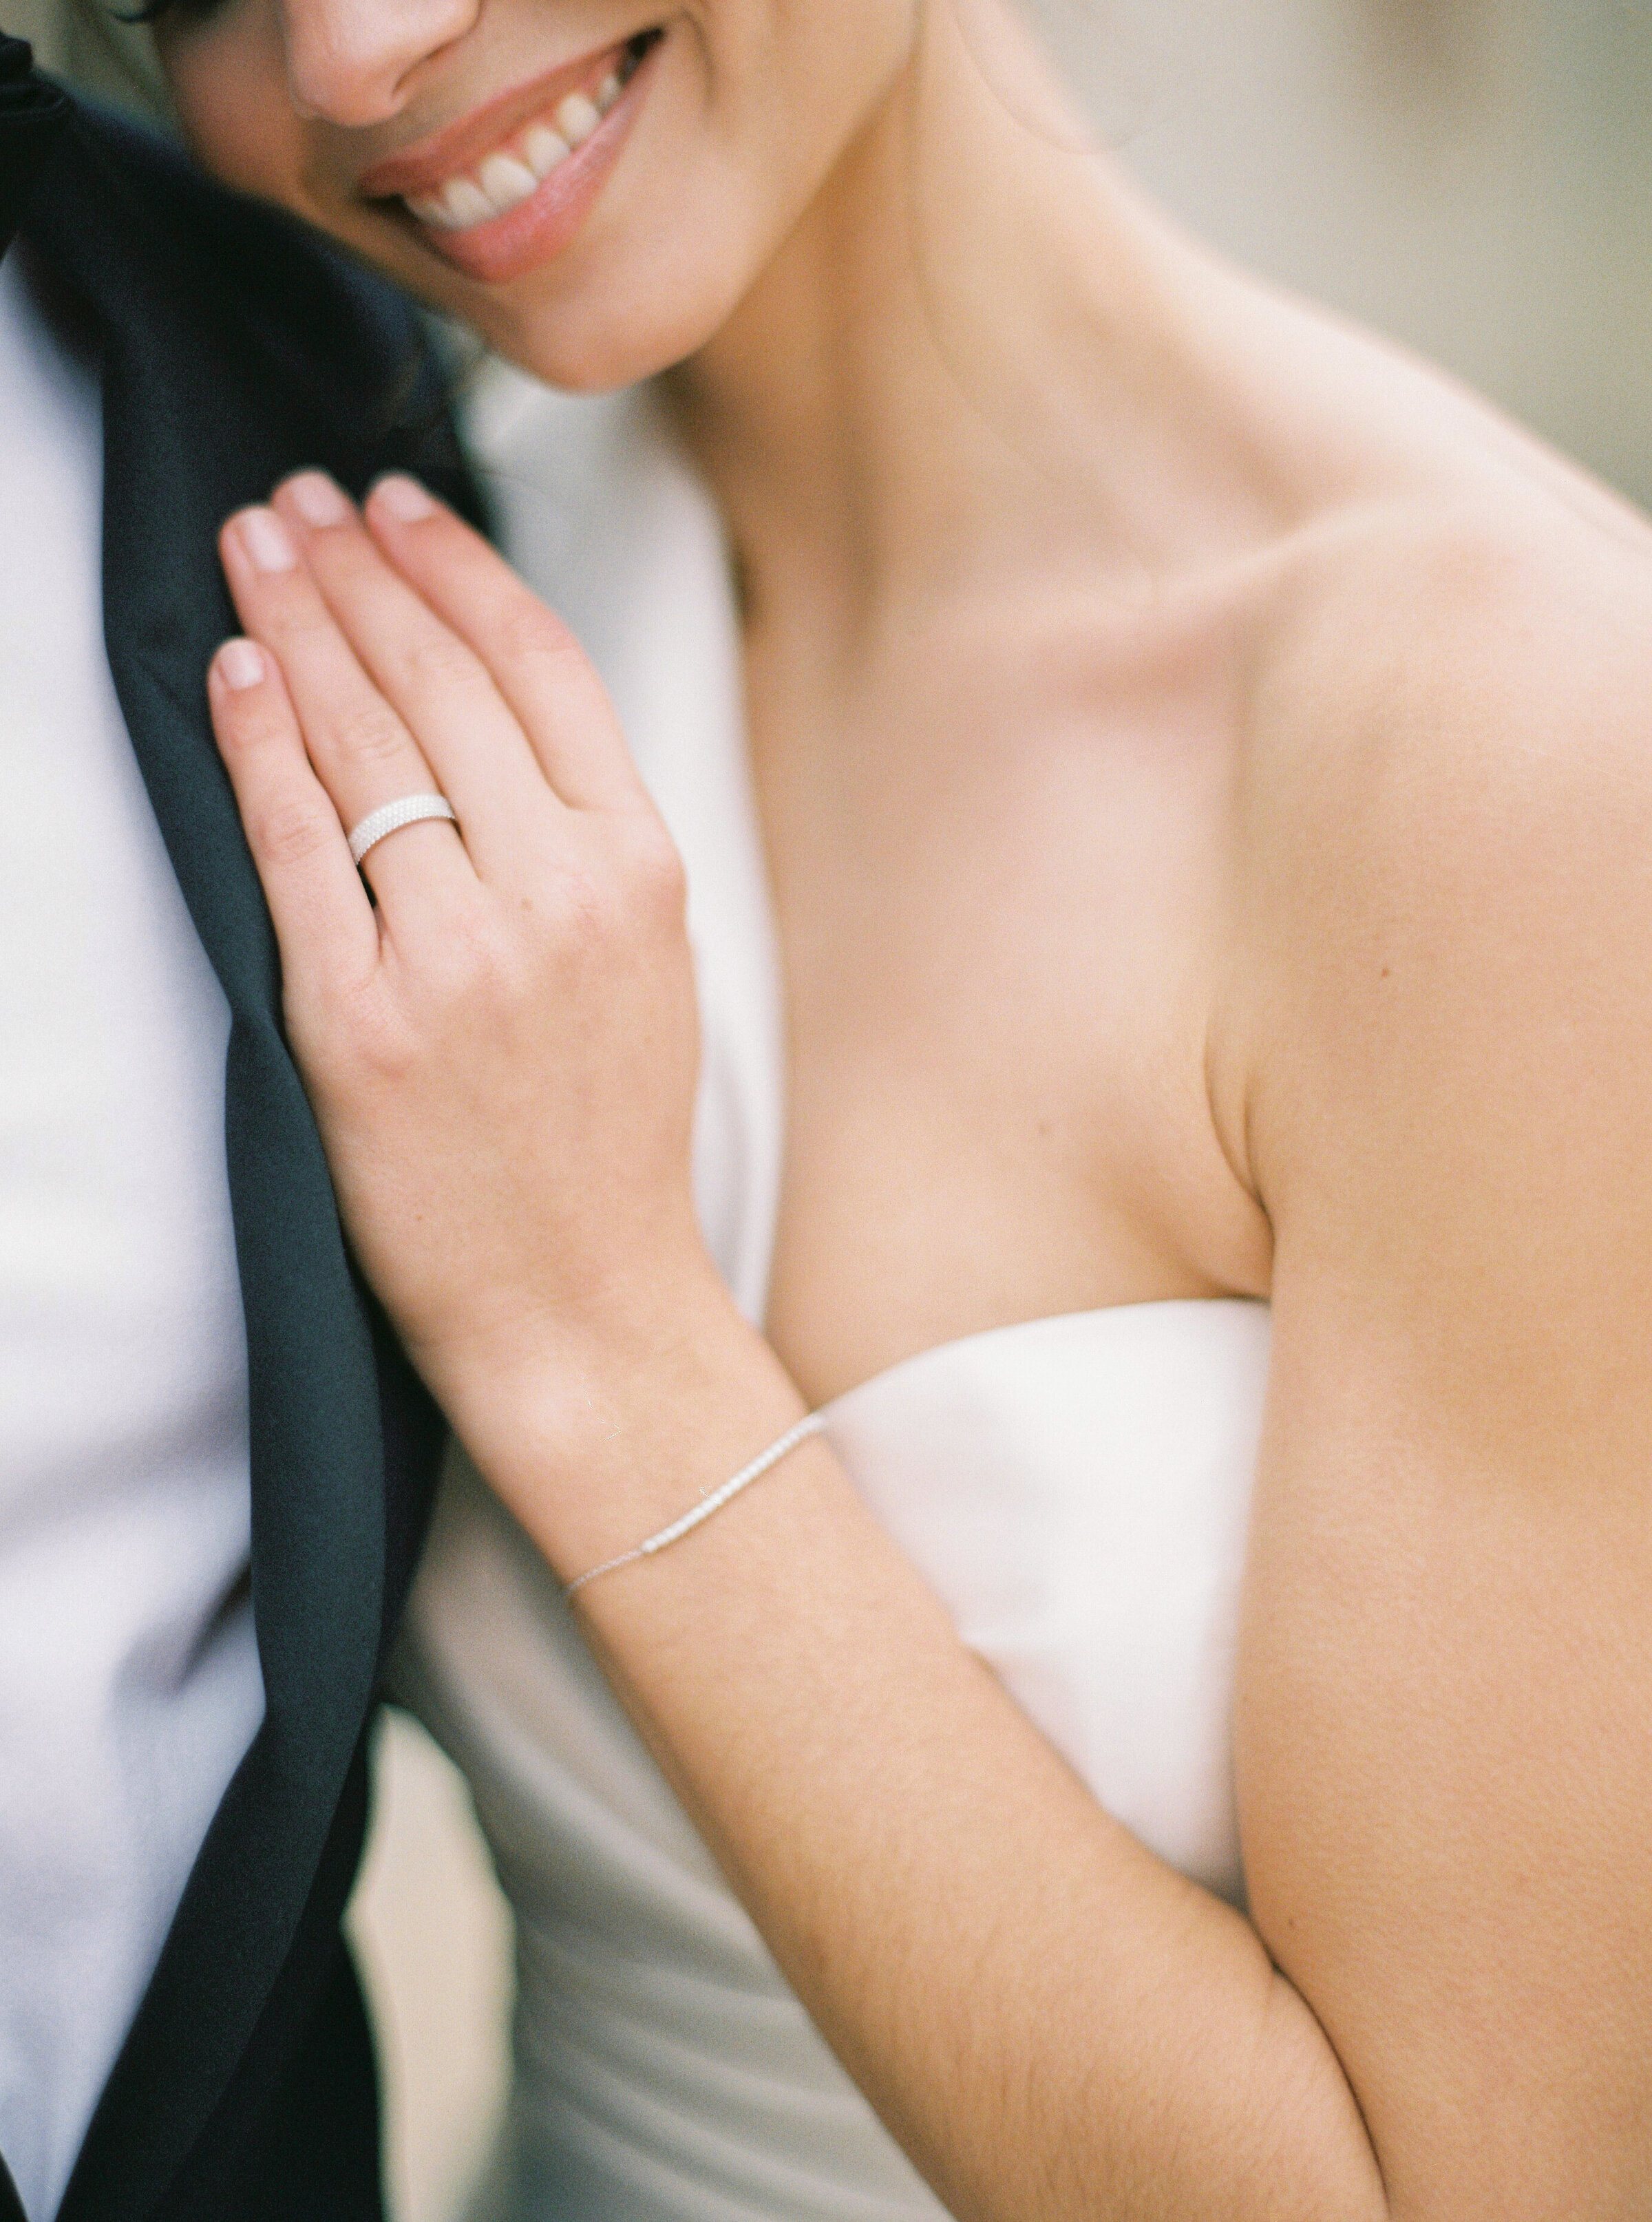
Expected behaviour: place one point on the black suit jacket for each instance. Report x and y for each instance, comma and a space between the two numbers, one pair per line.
234, 349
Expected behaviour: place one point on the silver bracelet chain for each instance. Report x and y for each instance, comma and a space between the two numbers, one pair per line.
712, 1501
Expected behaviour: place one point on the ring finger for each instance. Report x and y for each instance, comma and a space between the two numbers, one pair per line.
363, 754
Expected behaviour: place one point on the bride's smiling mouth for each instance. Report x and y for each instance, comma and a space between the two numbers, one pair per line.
508, 186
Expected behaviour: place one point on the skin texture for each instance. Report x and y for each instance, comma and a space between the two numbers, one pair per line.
1203, 762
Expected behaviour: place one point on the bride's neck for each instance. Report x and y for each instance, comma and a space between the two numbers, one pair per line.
970, 353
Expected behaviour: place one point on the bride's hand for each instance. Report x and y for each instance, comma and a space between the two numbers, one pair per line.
502, 1054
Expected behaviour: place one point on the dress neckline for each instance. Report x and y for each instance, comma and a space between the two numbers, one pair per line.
1102, 1317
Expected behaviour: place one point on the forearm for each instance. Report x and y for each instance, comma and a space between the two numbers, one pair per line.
1050, 2021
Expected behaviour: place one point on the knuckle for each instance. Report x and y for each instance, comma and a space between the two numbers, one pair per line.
383, 1046
366, 733
437, 659
348, 1032
475, 964
631, 892
288, 830
299, 621
656, 882
530, 633
593, 910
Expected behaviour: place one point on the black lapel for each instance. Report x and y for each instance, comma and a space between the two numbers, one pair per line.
32, 114
201, 413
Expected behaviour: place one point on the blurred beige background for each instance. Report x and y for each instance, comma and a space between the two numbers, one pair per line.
1473, 175
432, 1938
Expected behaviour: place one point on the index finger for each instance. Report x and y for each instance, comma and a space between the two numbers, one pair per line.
534, 660
323, 921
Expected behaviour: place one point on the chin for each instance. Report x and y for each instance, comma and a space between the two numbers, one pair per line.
596, 345
578, 358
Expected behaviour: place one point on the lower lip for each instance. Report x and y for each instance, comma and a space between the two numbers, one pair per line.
542, 226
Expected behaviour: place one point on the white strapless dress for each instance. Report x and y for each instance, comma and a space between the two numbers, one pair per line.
1075, 1491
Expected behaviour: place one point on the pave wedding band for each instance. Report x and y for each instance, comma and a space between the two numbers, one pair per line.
391, 817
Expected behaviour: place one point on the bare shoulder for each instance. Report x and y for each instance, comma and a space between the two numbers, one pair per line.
1435, 680
1446, 961
1445, 790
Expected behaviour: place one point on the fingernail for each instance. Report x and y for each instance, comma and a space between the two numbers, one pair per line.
268, 545
242, 663
404, 499
318, 499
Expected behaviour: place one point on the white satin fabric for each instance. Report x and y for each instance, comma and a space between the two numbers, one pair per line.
1076, 1490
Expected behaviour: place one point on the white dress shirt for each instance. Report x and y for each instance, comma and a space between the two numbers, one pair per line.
130, 1684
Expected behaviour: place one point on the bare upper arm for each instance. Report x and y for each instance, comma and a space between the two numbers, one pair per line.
1444, 1718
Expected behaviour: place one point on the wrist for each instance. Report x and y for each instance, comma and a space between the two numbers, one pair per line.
596, 1440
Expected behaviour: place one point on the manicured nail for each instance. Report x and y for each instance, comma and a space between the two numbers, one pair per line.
241, 663
266, 539
404, 499
318, 499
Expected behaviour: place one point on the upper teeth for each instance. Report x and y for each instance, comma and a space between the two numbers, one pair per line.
507, 176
